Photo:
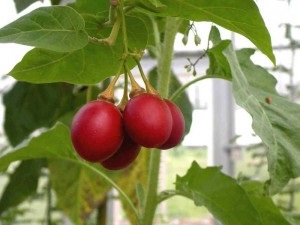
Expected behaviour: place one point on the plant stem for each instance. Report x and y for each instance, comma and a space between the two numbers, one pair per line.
178, 92
164, 71
166, 56
112, 37
49, 201
124, 31
149, 87
89, 92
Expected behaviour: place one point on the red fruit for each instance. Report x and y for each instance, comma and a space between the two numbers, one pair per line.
177, 128
97, 131
147, 120
125, 155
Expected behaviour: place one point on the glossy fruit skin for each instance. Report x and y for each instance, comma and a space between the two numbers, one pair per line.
177, 127
147, 120
125, 155
97, 130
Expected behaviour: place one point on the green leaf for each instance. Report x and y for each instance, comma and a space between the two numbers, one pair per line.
275, 119
23, 4
218, 63
55, 2
242, 17
226, 199
52, 144
183, 101
89, 65
57, 28
31, 106
267, 210
22, 183
78, 189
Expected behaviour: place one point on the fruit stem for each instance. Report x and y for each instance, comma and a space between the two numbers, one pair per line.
89, 93
164, 72
136, 89
124, 99
108, 93
112, 37
112, 15
149, 88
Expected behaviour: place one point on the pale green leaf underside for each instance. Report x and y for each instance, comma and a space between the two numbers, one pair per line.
57, 28
239, 16
229, 202
276, 121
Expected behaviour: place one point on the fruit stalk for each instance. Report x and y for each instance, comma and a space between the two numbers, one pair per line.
164, 72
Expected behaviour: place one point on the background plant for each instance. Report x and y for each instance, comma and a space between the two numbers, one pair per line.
79, 45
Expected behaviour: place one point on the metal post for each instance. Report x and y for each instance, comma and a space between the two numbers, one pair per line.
223, 126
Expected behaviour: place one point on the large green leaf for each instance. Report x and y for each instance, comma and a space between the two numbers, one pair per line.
275, 119
78, 189
52, 144
239, 16
226, 199
268, 211
57, 28
22, 183
89, 65
31, 106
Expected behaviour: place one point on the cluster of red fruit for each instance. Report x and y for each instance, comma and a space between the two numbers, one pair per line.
103, 133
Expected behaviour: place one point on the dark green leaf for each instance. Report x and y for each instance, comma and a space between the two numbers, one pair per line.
55, 2
23, 4
52, 144
22, 183
183, 101
275, 119
242, 17
78, 189
89, 65
226, 199
31, 106
57, 28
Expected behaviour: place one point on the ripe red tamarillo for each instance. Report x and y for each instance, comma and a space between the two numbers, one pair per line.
148, 120
97, 131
